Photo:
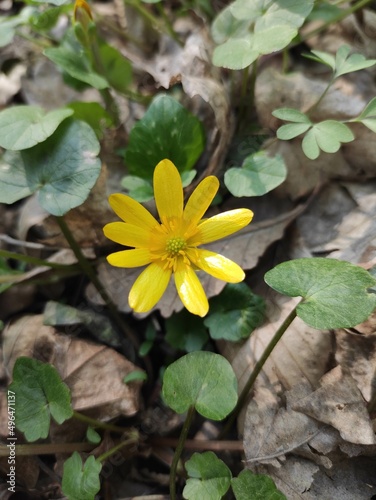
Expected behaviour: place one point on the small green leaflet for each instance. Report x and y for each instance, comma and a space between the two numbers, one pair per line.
40, 395
81, 482
342, 63
368, 115
255, 486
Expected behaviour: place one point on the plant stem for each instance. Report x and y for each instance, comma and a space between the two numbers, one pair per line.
256, 370
168, 24
131, 441
97, 424
90, 273
179, 450
34, 260
314, 106
337, 19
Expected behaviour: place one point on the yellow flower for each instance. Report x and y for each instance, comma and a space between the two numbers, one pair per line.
170, 247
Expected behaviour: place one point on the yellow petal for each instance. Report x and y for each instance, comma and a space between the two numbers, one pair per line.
216, 265
127, 234
200, 200
221, 225
131, 211
149, 287
190, 289
130, 258
168, 192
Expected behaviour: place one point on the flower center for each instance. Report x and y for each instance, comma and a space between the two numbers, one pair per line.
175, 245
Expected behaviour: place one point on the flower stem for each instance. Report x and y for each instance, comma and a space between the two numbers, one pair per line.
179, 450
98, 424
127, 442
256, 370
90, 273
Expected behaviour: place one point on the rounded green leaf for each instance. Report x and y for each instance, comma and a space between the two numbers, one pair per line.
40, 395
226, 26
81, 482
209, 477
327, 136
23, 127
258, 175
186, 331
236, 53
204, 380
167, 130
334, 292
309, 145
291, 115
61, 170
255, 486
234, 313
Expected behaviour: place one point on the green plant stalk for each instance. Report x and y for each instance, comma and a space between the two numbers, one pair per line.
169, 27
256, 371
90, 273
359, 5
315, 105
179, 450
35, 261
128, 442
97, 424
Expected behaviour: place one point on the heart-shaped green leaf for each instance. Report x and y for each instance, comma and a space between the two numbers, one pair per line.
167, 130
186, 331
81, 482
209, 477
258, 175
23, 127
256, 486
61, 170
234, 313
334, 292
326, 136
40, 395
201, 379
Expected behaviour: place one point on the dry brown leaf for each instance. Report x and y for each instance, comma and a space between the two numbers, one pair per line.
94, 373
339, 402
10, 83
357, 356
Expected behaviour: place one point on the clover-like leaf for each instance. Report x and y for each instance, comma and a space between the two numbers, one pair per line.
334, 292
368, 115
209, 477
256, 486
201, 379
235, 313
61, 170
167, 130
23, 127
81, 482
326, 136
271, 27
40, 395
342, 63
258, 175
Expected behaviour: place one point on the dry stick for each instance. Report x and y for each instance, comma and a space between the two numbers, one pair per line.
46, 448
199, 444
256, 370
90, 273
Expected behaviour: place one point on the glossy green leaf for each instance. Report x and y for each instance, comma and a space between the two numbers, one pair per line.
40, 395
258, 175
116, 69
167, 130
209, 477
204, 380
72, 58
186, 331
334, 292
22, 127
249, 486
45, 20
81, 482
92, 435
139, 189
326, 136
93, 114
235, 313
134, 376
61, 170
